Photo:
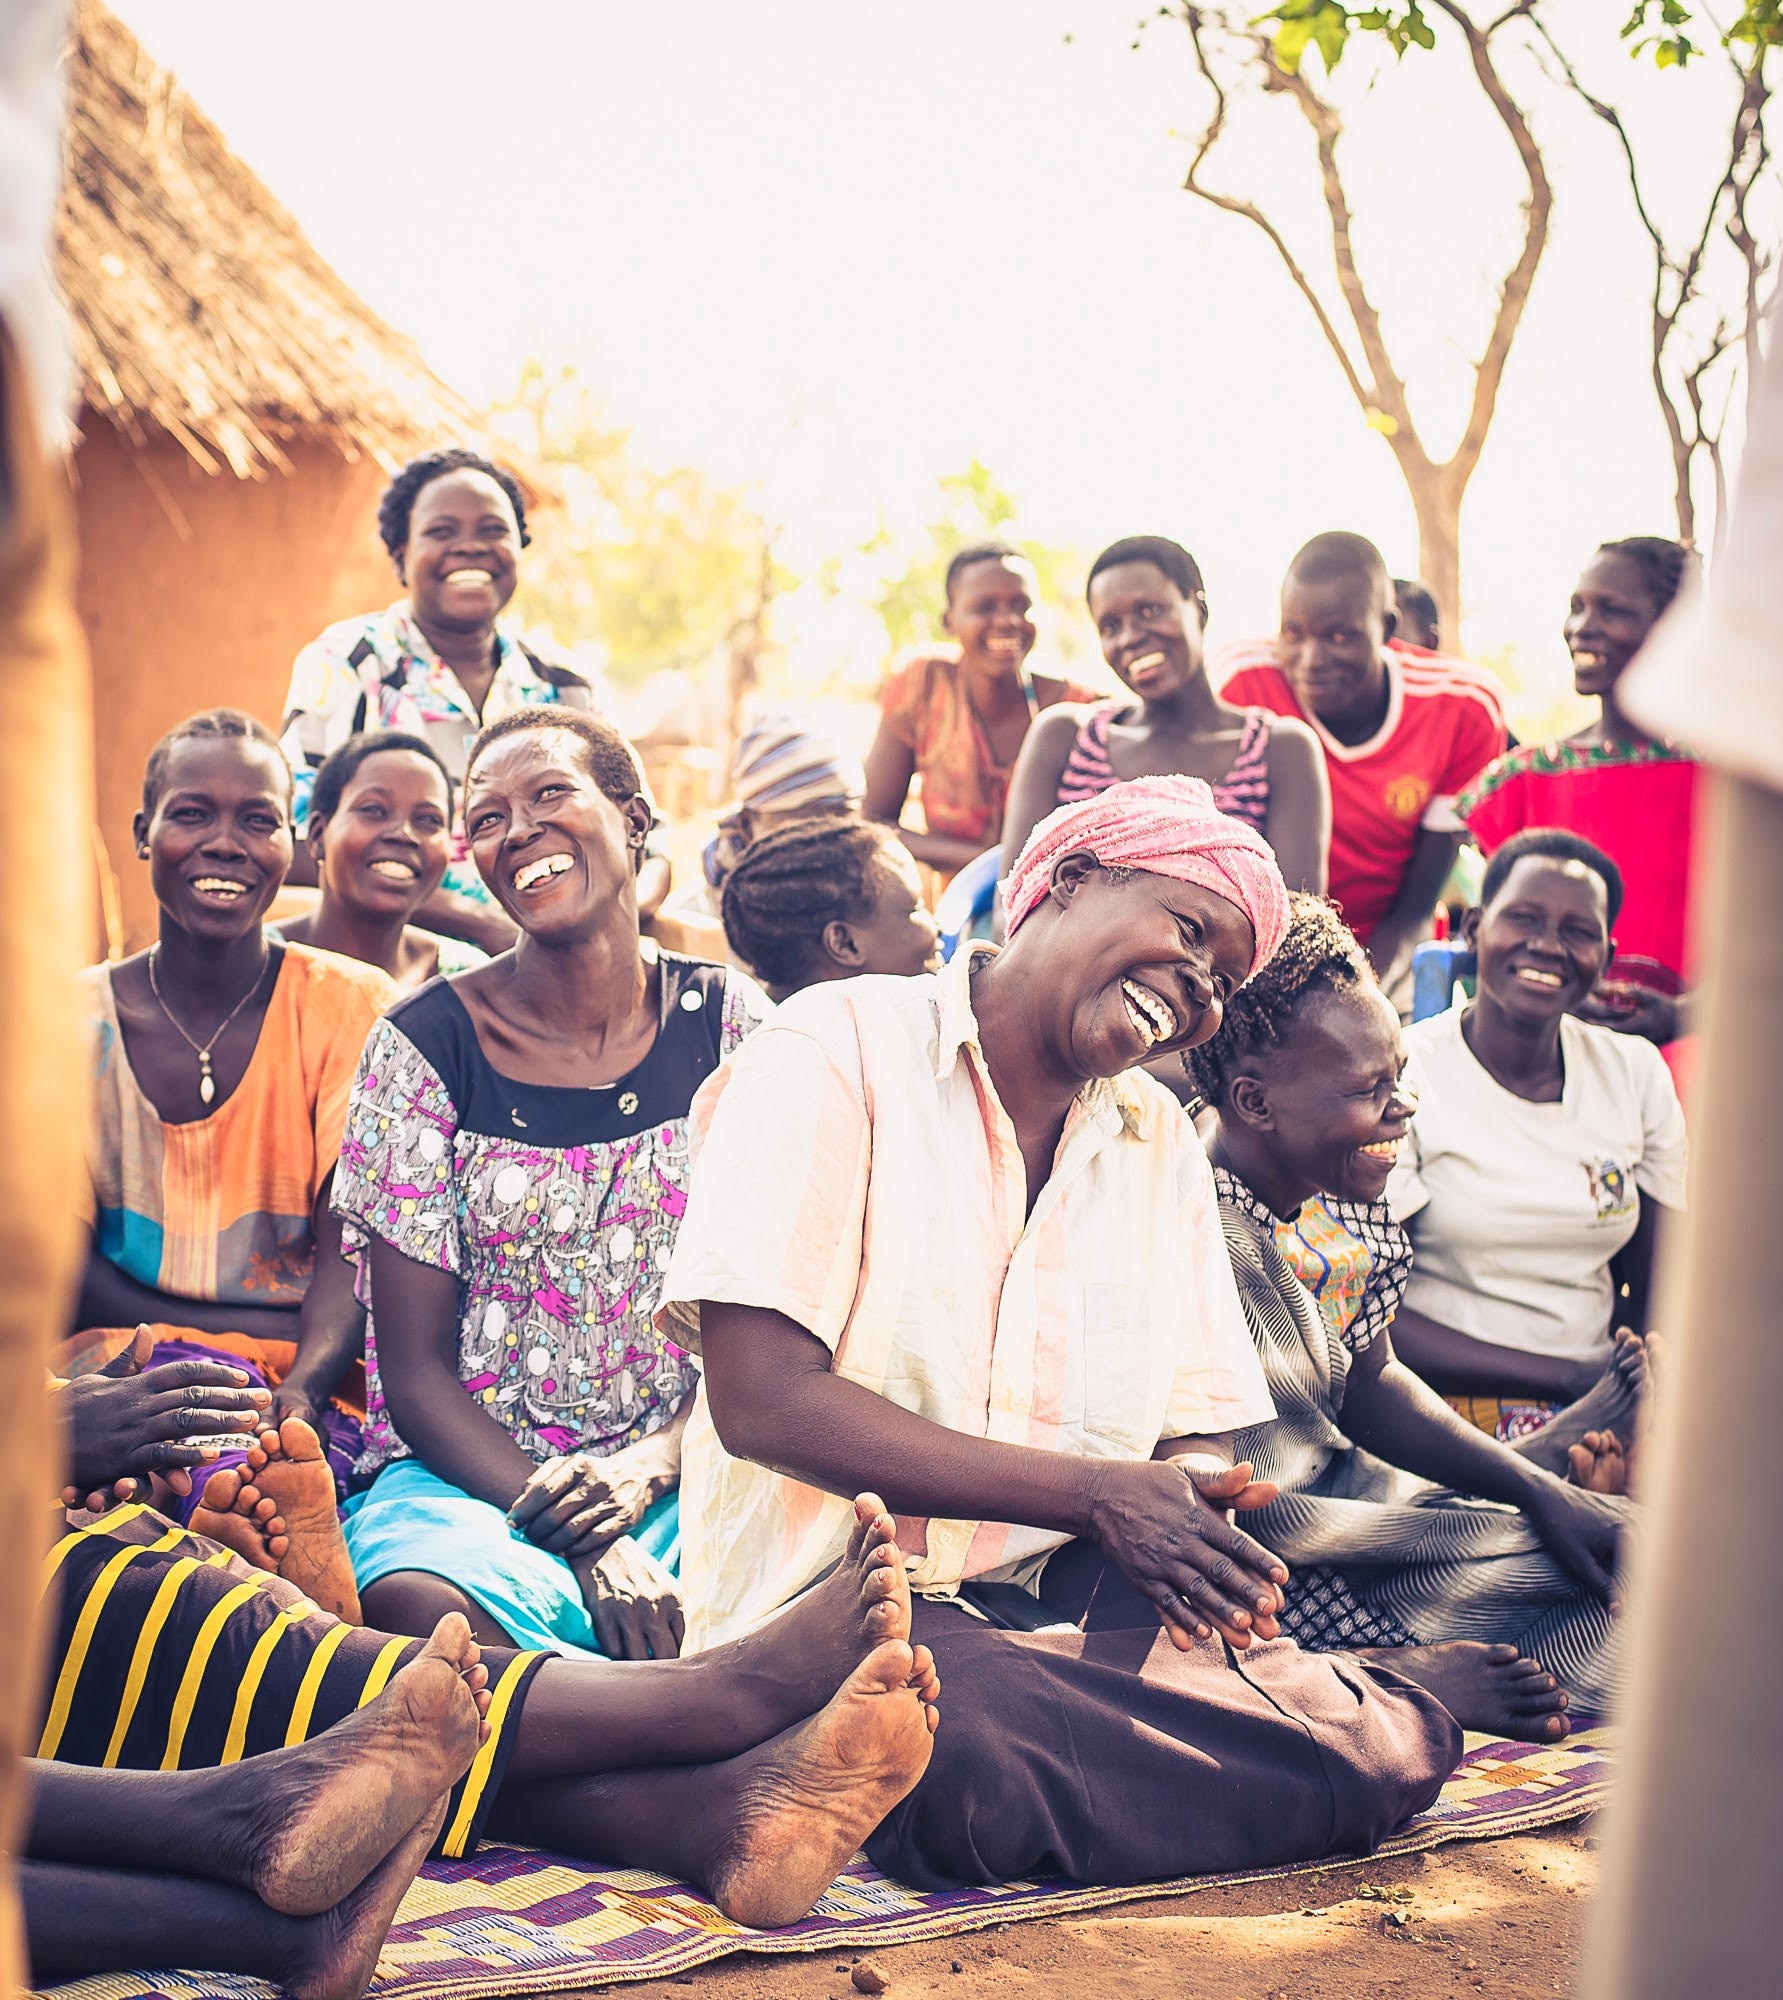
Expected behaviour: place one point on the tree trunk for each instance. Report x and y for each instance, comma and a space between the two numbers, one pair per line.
1436, 501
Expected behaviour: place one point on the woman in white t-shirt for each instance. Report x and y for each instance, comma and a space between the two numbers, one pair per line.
1542, 1155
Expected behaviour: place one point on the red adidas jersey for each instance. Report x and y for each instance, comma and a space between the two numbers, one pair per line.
1444, 725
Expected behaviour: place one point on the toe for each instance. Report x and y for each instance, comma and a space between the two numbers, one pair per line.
299, 1442
220, 1490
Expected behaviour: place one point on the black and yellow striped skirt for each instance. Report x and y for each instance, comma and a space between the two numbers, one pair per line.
170, 1653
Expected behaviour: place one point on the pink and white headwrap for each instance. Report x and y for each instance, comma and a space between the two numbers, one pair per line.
1166, 826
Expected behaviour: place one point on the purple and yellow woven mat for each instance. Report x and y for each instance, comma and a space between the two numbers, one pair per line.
517, 1921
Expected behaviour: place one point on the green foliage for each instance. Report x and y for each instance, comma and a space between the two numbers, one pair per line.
1673, 30
655, 565
902, 577
1664, 27
1327, 25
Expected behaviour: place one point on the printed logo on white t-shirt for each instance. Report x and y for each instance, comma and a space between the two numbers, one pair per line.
1613, 1191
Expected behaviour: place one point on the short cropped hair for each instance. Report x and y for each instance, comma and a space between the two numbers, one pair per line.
610, 760
1171, 557
1553, 843
397, 508
336, 771
999, 552
228, 723
1335, 557
1663, 564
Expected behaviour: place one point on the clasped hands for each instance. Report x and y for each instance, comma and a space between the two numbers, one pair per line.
583, 1509
1166, 1524
130, 1426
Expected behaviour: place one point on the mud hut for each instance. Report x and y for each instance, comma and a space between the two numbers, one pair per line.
240, 408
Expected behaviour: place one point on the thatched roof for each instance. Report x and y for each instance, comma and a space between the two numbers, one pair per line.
199, 307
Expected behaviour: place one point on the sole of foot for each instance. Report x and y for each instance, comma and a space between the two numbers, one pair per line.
284, 1496
1489, 1688
338, 1953
1599, 1463
328, 1810
800, 1806
862, 1603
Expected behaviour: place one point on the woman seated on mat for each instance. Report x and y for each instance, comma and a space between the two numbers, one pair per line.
956, 718
982, 1262
1502, 1612
223, 1059
380, 833
1544, 1154
828, 900
225, 1694
512, 1177
1613, 784
1150, 611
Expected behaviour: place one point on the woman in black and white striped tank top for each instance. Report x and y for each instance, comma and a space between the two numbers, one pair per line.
1146, 596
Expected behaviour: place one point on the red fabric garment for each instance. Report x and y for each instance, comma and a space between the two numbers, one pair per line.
1637, 801
1444, 725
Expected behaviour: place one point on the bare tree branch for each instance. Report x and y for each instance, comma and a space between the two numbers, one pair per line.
1236, 205
1514, 294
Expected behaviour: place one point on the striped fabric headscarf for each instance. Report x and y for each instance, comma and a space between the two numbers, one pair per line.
1165, 826
782, 762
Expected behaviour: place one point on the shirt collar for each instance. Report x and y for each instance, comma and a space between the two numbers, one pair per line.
417, 649
1113, 1102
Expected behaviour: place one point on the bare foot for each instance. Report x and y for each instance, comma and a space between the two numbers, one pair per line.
800, 1806
1613, 1402
229, 1512
323, 1814
1598, 1463
794, 1664
337, 1953
1491, 1688
284, 1495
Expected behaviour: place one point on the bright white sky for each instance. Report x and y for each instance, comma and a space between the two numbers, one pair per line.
841, 249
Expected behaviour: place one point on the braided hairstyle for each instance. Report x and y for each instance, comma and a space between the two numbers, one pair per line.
791, 884
231, 723
397, 507
1663, 565
1319, 955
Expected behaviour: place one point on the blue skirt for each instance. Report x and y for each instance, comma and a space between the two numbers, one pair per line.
408, 1519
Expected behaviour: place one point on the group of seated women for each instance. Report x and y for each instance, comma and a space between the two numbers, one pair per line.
609, 1406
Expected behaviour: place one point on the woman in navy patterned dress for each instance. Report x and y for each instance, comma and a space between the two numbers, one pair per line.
512, 1175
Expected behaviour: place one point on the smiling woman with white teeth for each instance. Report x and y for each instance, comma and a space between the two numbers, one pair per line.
946, 1228
515, 1170
1150, 610
1306, 1080
380, 829
1615, 785
439, 663
223, 1061
1545, 1152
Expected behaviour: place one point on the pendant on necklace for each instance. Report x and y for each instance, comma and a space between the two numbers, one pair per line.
207, 1088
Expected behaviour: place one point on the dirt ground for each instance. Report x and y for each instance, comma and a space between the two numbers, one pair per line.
1502, 1918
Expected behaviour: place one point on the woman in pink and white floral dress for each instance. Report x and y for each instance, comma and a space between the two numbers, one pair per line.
512, 1175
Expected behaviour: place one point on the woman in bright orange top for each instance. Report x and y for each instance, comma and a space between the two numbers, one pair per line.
223, 1063
1616, 786
957, 718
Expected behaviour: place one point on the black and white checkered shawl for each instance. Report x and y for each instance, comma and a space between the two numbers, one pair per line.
1379, 1557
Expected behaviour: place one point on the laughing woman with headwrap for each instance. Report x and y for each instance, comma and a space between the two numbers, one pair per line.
981, 1265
